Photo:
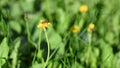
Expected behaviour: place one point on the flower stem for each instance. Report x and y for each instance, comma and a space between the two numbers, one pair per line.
89, 48
48, 55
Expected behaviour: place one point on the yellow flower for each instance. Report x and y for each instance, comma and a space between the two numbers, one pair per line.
91, 27
43, 24
83, 8
75, 29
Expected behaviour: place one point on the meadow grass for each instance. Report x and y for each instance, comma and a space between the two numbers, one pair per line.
59, 33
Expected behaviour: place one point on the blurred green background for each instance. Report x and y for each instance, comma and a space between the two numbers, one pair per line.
19, 36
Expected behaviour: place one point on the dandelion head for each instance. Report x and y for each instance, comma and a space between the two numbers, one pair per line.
43, 24
83, 8
91, 27
75, 29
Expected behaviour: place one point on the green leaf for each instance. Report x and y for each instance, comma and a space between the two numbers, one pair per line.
116, 24
37, 65
74, 8
76, 65
106, 55
50, 65
96, 52
15, 26
15, 52
15, 10
3, 3
62, 19
55, 64
109, 37
39, 54
116, 61
60, 66
4, 50
56, 41
36, 34
29, 7
49, 6
3, 26
93, 60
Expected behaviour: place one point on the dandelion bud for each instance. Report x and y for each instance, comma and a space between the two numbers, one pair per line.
83, 8
75, 29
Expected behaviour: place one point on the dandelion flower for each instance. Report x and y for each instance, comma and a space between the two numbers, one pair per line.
43, 24
75, 29
83, 8
91, 27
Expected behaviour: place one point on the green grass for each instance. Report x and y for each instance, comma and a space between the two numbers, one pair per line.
23, 45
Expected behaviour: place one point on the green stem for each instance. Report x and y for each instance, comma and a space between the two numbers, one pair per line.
48, 55
90, 36
28, 33
89, 47
27, 28
33, 61
39, 40
53, 53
